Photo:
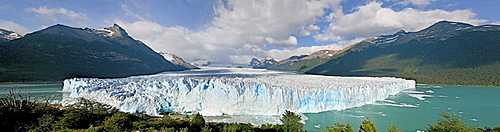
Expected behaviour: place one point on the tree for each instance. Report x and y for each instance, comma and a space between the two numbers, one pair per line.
118, 122
339, 128
197, 121
367, 126
393, 129
291, 122
450, 123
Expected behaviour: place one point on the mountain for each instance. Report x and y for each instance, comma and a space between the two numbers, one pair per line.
6, 35
445, 53
201, 62
304, 62
59, 52
262, 63
177, 60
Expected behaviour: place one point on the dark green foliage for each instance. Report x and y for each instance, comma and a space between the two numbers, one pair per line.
19, 112
84, 114
61, 52
393, 129
118, 122
450, 123
291, 122
367, 126
197, 121
339, 128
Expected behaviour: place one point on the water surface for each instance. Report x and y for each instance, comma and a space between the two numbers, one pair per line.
413, 109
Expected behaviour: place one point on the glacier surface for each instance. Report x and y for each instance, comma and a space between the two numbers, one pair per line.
234, 91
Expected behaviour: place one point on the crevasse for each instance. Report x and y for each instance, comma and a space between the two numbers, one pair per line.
231, 91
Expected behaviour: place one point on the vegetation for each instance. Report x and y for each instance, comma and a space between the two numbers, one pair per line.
291, 122
367, 126
19, 112
339, 128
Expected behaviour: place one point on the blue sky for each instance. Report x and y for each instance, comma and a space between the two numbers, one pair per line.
234, 31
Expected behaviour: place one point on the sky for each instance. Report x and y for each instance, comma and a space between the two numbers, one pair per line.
234, 31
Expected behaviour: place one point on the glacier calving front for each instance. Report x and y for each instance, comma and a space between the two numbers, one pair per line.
231, 91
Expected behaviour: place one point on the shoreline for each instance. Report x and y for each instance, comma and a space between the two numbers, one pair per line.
21, 84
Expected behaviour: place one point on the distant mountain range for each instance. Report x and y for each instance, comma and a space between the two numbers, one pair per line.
59, 52
177, 60
444, 53
262, 63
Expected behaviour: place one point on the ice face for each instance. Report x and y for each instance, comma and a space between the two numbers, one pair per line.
233, 91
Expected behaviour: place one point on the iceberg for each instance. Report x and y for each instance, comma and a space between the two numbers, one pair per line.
233, 91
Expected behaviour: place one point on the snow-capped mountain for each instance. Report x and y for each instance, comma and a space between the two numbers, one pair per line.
113, 31
262, 63
201, 62
176, 60
6, 35
437, 32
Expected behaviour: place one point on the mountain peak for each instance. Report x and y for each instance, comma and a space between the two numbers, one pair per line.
448, 25
6, 35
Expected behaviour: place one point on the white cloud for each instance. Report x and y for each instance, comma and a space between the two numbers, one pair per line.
12, 26
417, 2
372, 19
306, 31
239, 29
291, 41
49, 13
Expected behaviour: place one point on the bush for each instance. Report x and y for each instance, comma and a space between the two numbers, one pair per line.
340, 128
367, 126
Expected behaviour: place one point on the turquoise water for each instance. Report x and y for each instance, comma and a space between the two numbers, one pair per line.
42, 91
475, 105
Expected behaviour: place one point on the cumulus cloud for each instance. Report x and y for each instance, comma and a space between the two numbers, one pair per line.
12, 26
50, 13
372, 19
291, 41
239, 29
306, 31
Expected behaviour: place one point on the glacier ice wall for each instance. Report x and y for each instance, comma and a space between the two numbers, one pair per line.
232, 91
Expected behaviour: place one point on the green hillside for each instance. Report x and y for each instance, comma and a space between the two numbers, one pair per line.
60, 52
466, 59
444, 53
300, 66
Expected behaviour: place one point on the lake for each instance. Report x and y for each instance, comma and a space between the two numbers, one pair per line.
42, 91
409, 110
475, 105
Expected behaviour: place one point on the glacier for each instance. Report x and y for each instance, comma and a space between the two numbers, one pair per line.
233, 91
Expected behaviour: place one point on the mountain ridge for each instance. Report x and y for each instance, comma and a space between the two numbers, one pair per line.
444, 53
59, 52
